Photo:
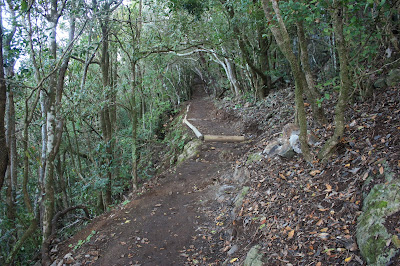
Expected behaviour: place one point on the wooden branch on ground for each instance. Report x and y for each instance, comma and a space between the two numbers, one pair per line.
221, 138
195, 130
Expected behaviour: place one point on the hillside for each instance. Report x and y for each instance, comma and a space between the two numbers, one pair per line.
296, 213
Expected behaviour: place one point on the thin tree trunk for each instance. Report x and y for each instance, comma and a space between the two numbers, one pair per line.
338, 14
105, 112
54, 127
265, 44
61, 180
230, 73
282, 38
3, 100
242, 45
311, 91
134, 119
30, 231
9, 73
10, 192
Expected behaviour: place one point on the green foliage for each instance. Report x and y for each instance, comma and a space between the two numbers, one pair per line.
193, 7
175, 139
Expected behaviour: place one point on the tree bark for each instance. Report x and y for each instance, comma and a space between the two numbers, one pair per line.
106, 109
134, 121
3, 100
282, 38
339, 9
9, 73
312, 92
264, 44
54, 125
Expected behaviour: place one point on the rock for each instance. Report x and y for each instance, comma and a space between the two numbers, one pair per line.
239, 201
289, 144
68, 259
241, 174
295, 143
240, 197
279, 147
233, 250
380, 83
190, 150
286, 150
254, 257
375, 243
393, 77
290, 129
223, 190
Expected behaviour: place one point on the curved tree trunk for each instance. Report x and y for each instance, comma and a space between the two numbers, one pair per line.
282, 38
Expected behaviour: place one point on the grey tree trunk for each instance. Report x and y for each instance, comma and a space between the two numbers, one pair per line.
312, 92
54, 125
338, 13
3, 100
282, 38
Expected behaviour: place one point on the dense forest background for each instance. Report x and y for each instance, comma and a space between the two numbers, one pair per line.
87, 88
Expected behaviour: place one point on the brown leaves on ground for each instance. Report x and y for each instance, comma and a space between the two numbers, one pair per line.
302, 214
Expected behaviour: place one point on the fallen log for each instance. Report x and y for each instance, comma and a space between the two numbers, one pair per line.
195, 130
222, 138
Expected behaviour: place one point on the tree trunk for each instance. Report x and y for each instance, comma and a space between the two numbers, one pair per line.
338, 13
30, 231
9, 73
54, 127
311, 92
11, 171
282, 38
134, 121
106, 110
265, 44
230, 72
3, 100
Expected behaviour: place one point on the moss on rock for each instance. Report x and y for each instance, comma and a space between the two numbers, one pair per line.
373, 239
255, 157
190, 150
254, 257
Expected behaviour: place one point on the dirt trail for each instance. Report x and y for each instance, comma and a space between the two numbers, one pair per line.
161, 226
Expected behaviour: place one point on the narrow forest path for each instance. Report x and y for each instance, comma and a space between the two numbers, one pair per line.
161, 226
